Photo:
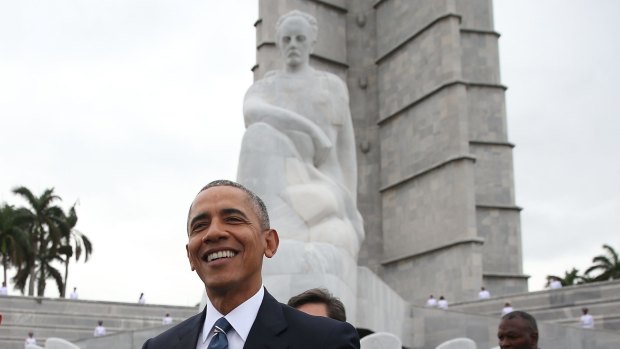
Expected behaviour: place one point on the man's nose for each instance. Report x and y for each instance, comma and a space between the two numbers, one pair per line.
215, 232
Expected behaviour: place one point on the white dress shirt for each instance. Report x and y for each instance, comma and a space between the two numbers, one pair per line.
484, 294
507, 310
99, 331
241, 319
587, 321
555, 284
431, 303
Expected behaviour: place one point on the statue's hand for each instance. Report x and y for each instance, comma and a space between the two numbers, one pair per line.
322, 147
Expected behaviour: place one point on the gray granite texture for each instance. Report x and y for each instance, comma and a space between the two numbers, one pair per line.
434, 162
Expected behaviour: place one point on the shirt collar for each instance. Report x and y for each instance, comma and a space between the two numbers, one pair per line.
241, 318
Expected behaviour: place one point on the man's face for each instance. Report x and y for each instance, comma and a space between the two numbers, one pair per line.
516, 334
226, 243
295, 41
316, 309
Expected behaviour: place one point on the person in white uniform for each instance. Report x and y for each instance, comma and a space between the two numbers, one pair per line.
167, 320
74, 294
484, 294
99, 330
507, 309
431, 302
442, 303
586, 320
30, 339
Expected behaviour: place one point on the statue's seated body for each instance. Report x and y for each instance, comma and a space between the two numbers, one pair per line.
298, 154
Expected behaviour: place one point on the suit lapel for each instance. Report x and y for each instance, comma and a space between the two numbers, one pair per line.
268, 326
189, 334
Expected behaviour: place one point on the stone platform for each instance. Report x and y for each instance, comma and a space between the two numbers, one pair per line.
76, 319
560, 306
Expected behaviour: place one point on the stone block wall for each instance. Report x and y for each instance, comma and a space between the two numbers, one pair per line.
435, 176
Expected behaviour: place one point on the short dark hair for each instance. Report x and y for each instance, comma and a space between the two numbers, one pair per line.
518, 314
335, 308
257, 203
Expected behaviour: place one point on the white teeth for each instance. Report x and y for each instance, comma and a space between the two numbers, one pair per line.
220, 254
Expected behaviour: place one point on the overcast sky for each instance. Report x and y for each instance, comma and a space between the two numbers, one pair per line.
128, 107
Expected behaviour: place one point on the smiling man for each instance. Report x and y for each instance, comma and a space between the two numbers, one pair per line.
518, 330
228, 236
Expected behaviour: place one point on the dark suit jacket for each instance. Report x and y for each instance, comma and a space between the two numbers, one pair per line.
276, 326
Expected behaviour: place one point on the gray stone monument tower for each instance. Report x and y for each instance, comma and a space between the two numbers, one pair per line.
435, 177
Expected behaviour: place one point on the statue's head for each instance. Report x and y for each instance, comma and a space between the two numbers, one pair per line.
296, 34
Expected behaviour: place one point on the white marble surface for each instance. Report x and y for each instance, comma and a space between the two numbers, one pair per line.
59, 343
298, 152
380, 340
457, 343
298, 155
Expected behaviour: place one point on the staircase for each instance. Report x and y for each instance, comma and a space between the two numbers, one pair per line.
560, 306
76, 319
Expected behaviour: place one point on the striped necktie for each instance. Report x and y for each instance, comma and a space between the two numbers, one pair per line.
219, 340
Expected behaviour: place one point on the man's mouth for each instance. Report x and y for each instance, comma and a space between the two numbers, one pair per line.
220, 254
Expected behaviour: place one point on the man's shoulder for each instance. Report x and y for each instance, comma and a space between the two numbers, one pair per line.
306, 327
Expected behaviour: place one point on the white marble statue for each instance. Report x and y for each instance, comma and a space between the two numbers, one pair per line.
457, 343
380, 340
298, 152
298, 155
59, 343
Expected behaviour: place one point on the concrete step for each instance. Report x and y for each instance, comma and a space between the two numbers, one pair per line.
69, 333
566, 296
598, 307
17, 343
608, 322
55, 305
75, 319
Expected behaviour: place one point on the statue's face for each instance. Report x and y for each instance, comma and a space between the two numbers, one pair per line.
295, 41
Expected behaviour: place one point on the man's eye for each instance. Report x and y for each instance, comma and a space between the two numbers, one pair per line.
198, 227
286, 39
301, 38
234, 219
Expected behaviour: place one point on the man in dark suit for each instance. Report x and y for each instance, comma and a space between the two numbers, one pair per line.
229, 233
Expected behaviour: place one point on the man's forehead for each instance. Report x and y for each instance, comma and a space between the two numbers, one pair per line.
514, 323
215, 195
215, 198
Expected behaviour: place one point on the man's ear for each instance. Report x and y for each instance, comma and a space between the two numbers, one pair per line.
272, 241
535, 339
188, 258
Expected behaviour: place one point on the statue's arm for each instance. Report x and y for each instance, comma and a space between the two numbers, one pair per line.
346, 151
257, 109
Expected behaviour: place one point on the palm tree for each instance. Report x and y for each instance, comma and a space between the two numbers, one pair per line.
608, 265
44, 236
14, 245
570, 278
72, 237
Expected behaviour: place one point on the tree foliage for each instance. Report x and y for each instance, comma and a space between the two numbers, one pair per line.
37, 238
607, 265
570, 278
